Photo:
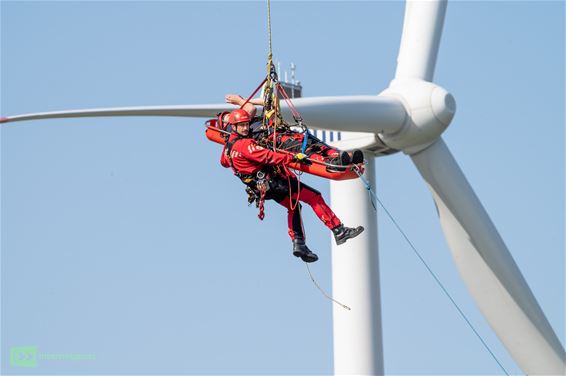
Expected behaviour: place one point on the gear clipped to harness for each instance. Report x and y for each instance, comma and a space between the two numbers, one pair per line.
272, 119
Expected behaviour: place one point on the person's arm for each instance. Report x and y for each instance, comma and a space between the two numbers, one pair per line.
249, 107
259, 154
224, 159
257, 101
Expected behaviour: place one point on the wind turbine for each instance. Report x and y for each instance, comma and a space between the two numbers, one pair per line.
408, 116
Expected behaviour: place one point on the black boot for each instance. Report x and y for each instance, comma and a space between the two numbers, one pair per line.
357, 156
341, 233
343, 159
301, 250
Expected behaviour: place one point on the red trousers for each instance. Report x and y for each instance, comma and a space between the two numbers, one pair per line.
304, 193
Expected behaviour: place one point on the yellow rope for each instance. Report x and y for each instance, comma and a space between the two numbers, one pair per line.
273, 110
269, 56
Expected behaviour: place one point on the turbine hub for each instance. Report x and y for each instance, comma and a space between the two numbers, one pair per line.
430, 109
443, 105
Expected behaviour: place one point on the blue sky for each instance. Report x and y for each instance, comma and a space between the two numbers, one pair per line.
126, 239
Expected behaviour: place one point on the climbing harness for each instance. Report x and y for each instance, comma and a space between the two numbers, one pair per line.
373, 196
257, 184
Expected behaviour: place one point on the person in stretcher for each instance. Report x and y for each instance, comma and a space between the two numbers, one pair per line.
290, 140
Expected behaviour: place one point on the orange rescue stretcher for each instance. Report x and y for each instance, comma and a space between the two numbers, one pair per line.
319, 166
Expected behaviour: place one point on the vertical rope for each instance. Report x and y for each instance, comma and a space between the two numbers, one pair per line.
270, 55
270, 96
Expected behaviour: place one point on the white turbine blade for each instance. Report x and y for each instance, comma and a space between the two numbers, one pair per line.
369, 113
422, 28
363, 113
206, 110
487, 267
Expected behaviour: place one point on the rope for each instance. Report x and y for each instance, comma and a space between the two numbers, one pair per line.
431, 272
268, 82
261, 214
296, 116
294, 111
270, 55
296, 204
324, 293
271, 103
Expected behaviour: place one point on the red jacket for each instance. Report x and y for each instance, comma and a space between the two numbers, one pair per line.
248, 157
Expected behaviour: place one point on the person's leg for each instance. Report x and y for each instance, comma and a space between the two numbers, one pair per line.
318, 150
292, 142
296, 231
294, 220
313, 198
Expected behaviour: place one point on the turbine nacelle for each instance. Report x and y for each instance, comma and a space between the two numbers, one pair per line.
429, 110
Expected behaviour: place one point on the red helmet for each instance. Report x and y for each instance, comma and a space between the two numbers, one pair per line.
239, 116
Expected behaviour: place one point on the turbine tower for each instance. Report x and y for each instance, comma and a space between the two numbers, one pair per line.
409, 117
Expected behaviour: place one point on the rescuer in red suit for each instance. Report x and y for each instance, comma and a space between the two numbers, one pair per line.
248, 160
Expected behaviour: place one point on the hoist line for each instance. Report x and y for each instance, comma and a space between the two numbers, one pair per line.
373, 195
270, 55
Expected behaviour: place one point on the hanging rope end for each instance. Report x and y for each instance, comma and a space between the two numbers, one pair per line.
324, 293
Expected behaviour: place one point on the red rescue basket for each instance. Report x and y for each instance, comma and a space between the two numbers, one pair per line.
215, 133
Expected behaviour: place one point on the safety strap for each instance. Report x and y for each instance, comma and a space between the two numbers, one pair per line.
296, 115
229, 145
254, 93
305, 140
